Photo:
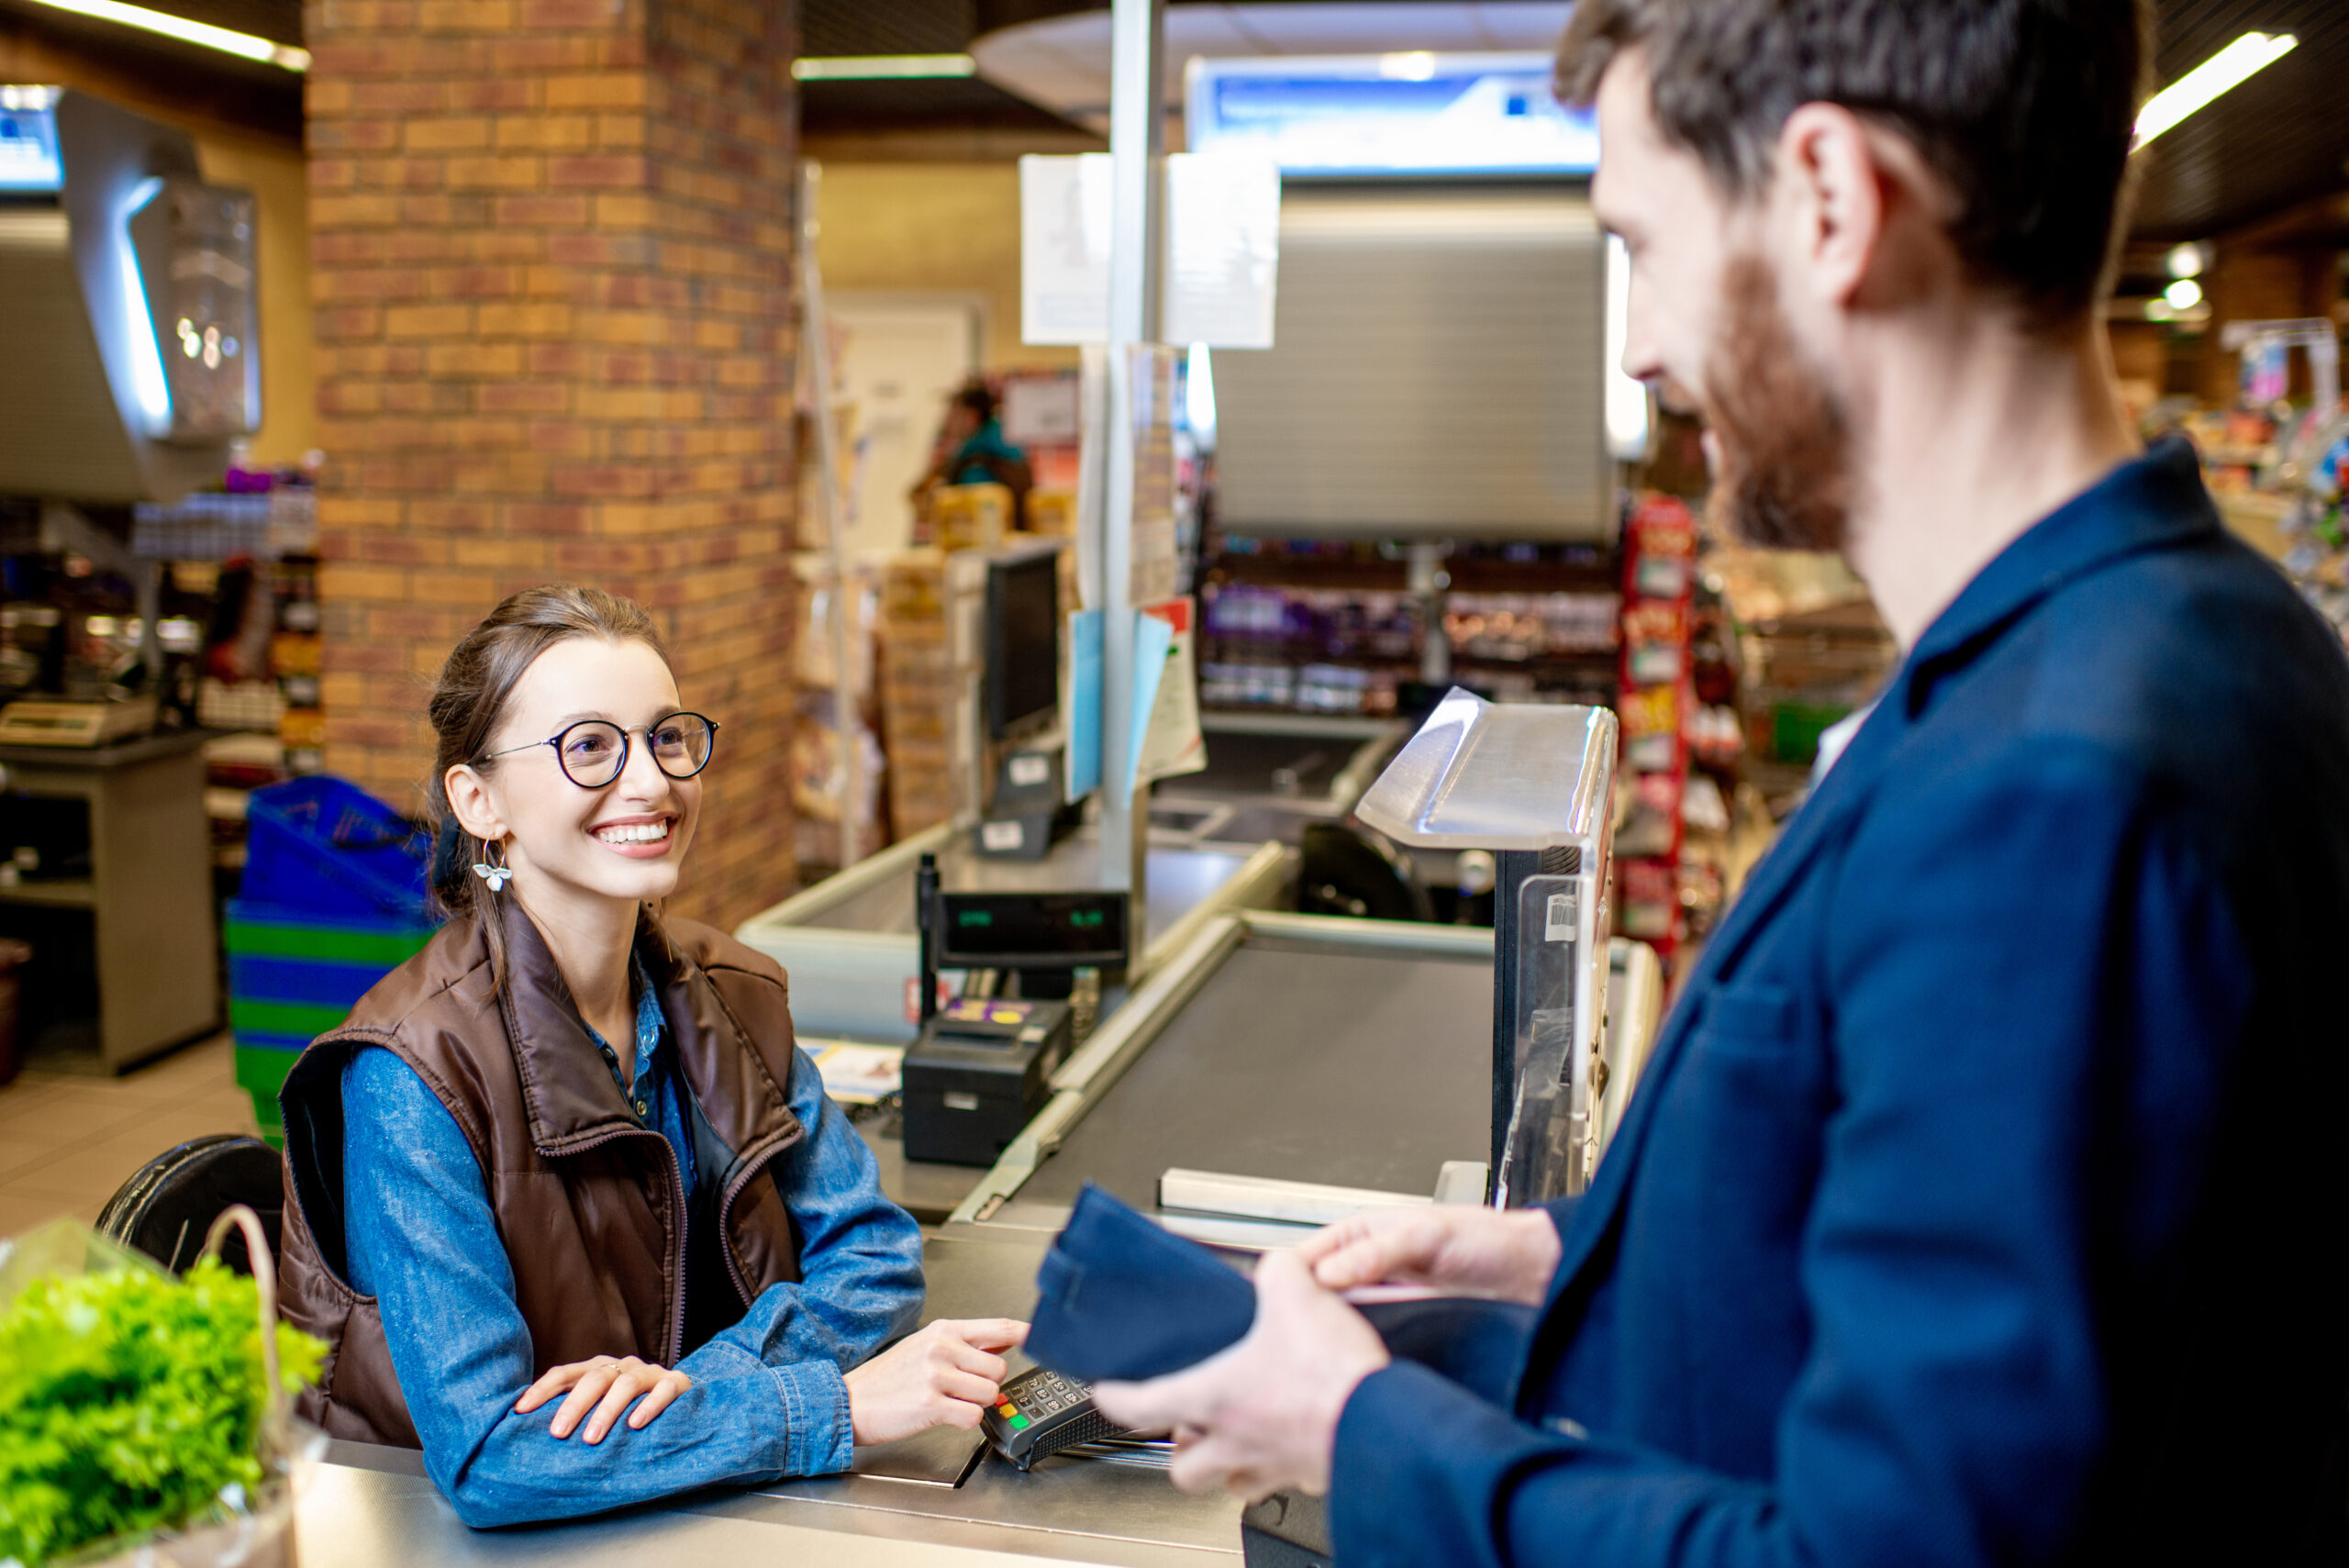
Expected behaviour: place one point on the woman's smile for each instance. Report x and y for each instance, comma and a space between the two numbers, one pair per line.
638, 838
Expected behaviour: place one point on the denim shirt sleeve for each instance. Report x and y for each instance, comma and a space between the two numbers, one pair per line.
421, 1238
860, 1263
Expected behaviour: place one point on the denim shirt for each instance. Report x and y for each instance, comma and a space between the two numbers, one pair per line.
767, 1398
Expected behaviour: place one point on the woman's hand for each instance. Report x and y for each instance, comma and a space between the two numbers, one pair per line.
945, 1374
605, 1385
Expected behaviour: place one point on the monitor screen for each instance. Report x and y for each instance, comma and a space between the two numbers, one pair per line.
1023, 678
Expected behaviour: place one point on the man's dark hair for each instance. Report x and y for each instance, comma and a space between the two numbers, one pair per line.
2025, 108
975, 397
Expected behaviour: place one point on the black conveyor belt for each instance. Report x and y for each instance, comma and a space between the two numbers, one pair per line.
1302, 1062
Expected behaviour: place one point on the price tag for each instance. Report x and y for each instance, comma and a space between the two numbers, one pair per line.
1558, 921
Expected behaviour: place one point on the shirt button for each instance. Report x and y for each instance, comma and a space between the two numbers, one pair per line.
641, 1108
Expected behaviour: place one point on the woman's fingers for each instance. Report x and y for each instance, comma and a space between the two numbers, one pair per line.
956, 1383
977, 1362
986, 1333
664, 1393
551, 1382
631, 1382
583, 1396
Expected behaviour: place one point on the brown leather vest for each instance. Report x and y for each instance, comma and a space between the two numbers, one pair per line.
567, 1163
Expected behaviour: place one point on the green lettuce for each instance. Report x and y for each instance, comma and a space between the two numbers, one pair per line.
129, 1402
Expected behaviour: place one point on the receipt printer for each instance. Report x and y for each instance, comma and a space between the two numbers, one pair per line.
980, 1072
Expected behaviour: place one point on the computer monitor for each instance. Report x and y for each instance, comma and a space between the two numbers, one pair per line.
1022, 642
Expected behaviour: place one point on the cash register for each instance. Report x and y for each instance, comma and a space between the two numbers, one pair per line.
982, 1066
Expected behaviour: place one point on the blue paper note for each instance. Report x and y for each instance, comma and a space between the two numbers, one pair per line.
1083, 719
1153, 639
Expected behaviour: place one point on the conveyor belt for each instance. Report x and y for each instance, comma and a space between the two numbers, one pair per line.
1301, 1061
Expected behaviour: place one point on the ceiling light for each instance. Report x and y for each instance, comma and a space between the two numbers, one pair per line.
2183, 295
2158, 310
2184, 262
881, 67
2230, 67
1417, 65
202, 33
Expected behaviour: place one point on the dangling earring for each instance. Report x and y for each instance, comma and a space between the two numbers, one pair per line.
497, 873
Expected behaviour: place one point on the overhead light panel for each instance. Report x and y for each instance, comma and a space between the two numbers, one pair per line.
203, 34
882, 67
2230, 67
2183, 295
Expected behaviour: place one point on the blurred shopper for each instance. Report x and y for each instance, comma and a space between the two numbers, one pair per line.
569, 1156
973, 450
1984, 1199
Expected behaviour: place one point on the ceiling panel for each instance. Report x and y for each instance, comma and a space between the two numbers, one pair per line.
2279, 138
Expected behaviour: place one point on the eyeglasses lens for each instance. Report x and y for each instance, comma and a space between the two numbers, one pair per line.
681, 745
593, 753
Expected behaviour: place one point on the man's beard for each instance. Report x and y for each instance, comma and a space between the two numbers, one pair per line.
1782, 470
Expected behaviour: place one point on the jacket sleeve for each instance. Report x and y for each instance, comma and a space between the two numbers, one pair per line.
422, 1238
860, 1258
2035, 984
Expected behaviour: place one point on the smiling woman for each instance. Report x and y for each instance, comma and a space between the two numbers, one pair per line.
710, 1262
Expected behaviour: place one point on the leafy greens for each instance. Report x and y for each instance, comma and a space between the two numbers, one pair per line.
128, 1402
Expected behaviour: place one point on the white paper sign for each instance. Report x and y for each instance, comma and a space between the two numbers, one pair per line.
1064, 249
1223, 248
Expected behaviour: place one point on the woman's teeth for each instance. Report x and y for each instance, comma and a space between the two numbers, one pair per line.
634, 833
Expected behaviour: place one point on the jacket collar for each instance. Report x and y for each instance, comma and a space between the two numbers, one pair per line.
2148, 502
571, 1097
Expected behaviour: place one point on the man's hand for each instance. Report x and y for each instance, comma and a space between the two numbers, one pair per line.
605, 1385
943, 1375
1262, 1416
1467, 1252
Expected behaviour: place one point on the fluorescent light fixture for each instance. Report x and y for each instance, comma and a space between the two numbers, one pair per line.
881, 67
180, 28
2183, 295
1414, 66
2185, 260
33, 98
1627, 400
2229, 68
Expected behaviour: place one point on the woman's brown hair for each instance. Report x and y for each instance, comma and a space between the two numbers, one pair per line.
469, 702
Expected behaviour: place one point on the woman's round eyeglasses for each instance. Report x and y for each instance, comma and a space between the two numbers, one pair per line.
594, 752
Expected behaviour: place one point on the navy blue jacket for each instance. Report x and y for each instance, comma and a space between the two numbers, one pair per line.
1987, 1199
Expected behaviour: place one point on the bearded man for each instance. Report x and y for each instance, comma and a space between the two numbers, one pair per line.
1984, 1201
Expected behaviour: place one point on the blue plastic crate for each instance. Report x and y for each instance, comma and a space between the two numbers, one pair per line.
324, 844
293, 974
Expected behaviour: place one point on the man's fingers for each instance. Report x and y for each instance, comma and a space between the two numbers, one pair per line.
1182, 1398
664, 1393
956, 1413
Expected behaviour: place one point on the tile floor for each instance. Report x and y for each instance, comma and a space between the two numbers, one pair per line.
67, 1143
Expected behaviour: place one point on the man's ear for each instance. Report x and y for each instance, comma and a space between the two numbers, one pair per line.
470, 803
1832, 190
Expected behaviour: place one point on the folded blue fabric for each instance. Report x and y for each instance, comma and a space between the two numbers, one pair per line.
1120, 1297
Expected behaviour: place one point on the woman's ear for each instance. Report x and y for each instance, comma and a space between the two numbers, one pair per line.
470, 803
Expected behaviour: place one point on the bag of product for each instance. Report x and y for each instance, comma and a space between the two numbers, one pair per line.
144, 1416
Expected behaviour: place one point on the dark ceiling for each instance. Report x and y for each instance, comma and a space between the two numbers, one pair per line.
2281, 140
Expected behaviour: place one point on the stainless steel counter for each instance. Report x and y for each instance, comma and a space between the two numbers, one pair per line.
373, 1507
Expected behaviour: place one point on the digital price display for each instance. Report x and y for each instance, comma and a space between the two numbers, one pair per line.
1031, 931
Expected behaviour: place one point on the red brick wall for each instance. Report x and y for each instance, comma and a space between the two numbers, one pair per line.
552, 255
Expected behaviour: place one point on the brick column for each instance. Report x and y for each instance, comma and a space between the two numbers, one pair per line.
552, 256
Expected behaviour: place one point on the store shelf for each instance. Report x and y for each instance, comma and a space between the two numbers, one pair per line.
1278, 721
55, 895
